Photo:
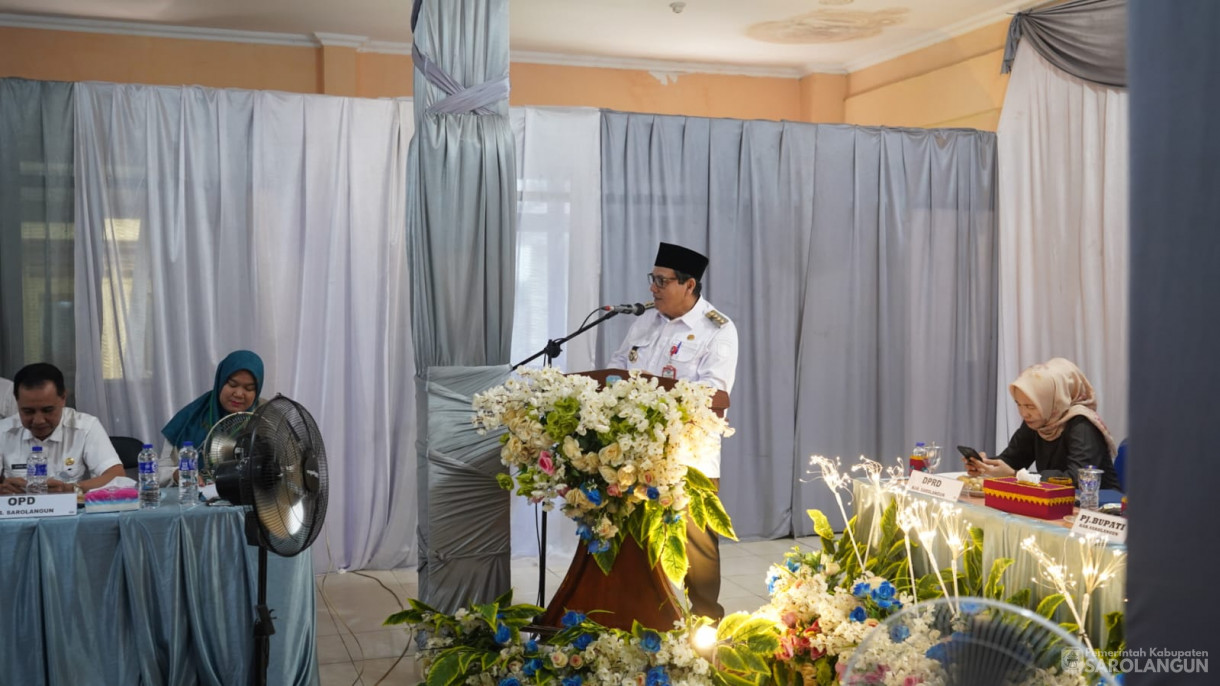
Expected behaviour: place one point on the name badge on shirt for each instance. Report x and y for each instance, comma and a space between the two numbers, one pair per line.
669, 372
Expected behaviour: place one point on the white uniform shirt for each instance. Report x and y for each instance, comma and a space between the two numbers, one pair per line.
8, 403
78, 447
697, 346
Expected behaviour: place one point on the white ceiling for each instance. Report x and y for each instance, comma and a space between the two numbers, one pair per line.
781, 37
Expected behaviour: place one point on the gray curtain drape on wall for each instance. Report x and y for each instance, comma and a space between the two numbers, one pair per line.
1085, 38
858, 265
462, 247
1175, 91
36, 225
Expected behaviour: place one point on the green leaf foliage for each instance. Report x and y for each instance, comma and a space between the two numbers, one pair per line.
821, 525
673, 553
1049, 604
994, 588
717, 519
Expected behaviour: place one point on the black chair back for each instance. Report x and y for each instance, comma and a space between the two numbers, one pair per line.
128, 449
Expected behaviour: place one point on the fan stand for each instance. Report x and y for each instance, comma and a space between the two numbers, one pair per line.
264, 627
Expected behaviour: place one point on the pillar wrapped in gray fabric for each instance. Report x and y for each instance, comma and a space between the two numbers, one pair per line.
461, 213
464, 525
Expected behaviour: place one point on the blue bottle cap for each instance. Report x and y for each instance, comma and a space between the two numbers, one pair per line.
37, 449
188, 444
148, 446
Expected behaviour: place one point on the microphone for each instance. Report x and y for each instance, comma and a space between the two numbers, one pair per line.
636, 309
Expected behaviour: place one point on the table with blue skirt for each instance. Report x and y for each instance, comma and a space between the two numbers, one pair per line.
1003, 533
160, 596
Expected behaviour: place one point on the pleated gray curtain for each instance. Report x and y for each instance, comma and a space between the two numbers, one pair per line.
859, 267
460, 227
1085, 38
1175, 71
36, 225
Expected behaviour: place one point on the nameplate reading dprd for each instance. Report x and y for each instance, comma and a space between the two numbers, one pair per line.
26, 505
1112, 527
942, 487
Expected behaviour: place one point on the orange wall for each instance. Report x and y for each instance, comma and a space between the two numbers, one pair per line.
953, 83
956, 82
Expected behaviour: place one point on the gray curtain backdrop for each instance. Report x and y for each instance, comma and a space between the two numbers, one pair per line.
462, 190
1085, 38
36, 225
859, 267
1175, 92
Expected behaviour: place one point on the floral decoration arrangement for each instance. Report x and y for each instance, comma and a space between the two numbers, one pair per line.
615, 457
825, 606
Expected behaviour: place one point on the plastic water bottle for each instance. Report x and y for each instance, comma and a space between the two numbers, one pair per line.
150, 488
919, 459
188, 478
36, 472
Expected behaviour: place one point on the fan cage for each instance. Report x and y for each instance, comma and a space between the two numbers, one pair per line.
982, 641
286, 475
221, 441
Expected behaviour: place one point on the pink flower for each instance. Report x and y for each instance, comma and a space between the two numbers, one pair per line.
576, 661
545, 463
790, 618
614, 490
912, 681
559, 659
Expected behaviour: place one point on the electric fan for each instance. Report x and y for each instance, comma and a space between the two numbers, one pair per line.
972, 642
220, 442
278, 471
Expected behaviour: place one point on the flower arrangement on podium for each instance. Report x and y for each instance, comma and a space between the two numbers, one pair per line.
614, 457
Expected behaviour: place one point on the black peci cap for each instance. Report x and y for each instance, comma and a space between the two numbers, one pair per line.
681, 259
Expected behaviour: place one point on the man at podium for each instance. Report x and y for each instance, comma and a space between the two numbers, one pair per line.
684, 337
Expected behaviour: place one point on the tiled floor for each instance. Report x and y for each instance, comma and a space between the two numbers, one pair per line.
355, 649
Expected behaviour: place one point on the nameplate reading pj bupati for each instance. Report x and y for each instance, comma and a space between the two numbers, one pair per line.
49, 505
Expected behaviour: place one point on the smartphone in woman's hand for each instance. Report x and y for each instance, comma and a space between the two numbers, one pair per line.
969, 453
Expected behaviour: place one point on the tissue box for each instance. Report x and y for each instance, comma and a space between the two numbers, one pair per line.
112, 500
1044, 500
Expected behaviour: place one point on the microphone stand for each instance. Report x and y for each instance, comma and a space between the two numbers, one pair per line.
552, 350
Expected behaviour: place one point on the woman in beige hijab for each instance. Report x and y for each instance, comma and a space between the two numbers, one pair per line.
1062, 431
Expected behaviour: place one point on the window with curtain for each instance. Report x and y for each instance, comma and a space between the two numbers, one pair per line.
36, 225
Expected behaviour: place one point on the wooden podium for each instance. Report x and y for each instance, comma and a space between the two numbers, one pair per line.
633, 590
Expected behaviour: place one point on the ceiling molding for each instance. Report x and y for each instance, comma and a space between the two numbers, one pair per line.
128, 28
933, 37
386, 47
658, 66
340, 40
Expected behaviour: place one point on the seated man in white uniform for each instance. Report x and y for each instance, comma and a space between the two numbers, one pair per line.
8, 404
78, 451
686, 338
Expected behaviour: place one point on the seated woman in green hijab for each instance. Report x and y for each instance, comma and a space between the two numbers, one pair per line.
239, 380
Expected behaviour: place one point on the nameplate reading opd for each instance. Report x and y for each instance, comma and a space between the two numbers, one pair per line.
24, 505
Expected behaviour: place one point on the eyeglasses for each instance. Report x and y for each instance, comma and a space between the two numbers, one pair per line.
660, 281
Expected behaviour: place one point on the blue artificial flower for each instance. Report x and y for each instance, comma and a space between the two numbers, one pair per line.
531, 646
650, 641
531, 666
858, 615
503, 633
884, 591
970, 607
793, 565
657, 676
594, 495
571, 618
599, 546
653, 493
938, 652
860, 590
585, 533
582, 641
510, 681
772, 579
899, 633
573, 680
885, 603
672, 517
